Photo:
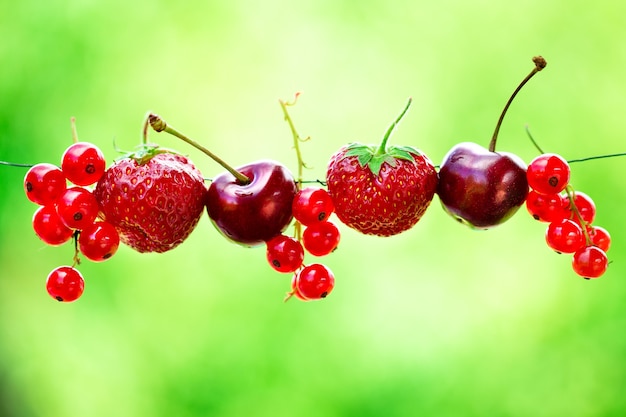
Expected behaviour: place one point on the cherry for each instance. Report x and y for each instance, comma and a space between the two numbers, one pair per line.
547, 208
312, 205
321, 238
284, 254
565, 236
600, 237
44, 183
77, 208
48, 226
548, 174
251, 213
590, 262
480, 187
65, 284
83, 163
99, 241
313, 282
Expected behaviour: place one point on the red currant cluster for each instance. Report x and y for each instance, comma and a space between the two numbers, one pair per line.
570, 215
69, 210
311, 208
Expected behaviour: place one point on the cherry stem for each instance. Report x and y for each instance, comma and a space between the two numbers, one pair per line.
382, 149
540, 64
74, 131
160, 125
76, 258
296, 136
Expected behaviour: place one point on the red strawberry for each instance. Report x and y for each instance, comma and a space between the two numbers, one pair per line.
381, 190
153, 199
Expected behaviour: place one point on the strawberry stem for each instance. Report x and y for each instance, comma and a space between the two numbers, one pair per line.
540, 63
160, 125
382, 149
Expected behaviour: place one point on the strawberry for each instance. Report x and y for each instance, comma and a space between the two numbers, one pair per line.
381, 190
154, 198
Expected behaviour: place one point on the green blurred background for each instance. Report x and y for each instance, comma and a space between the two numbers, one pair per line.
438, 321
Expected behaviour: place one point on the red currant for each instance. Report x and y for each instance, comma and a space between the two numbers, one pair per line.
565, 236
99, 241
314, 281
590, 262
44, 183
83, 163
65, 284
548, 174
312, 205
48, 226
321, 238
586, 208
600, 237
284, 254
547, 208
77, 208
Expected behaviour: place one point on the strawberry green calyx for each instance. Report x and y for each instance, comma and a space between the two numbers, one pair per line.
375, 156
144, 152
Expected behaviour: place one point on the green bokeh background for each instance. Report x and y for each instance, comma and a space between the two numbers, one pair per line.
438, 321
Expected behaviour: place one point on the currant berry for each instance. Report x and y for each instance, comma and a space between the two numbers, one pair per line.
600, 237
321, 238
590, 262
548, 174
83, 163
585, 206
65, 284
565, 236
314, 281
48, 226
77, 208
99, 241
284, 254
547, 208
44, 183
312, 205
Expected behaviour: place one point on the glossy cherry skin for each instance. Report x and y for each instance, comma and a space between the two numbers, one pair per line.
481, 188
251, 214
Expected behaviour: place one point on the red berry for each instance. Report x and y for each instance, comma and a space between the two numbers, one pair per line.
48, 226
314, 281
586, 207
154, 202
385, 196
83, 163
600, 237
284, 253
590, 262
547, 208
565, 236
312, 205
548, 174
99, 241
321, 238
44, 183
65, 284
77, 208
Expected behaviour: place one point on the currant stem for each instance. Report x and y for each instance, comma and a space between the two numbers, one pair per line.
296, 137
382, 149
569, 190
540, 64
74, 131
160, 125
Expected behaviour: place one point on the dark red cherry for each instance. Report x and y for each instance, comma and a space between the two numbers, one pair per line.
481, 188
252, 213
